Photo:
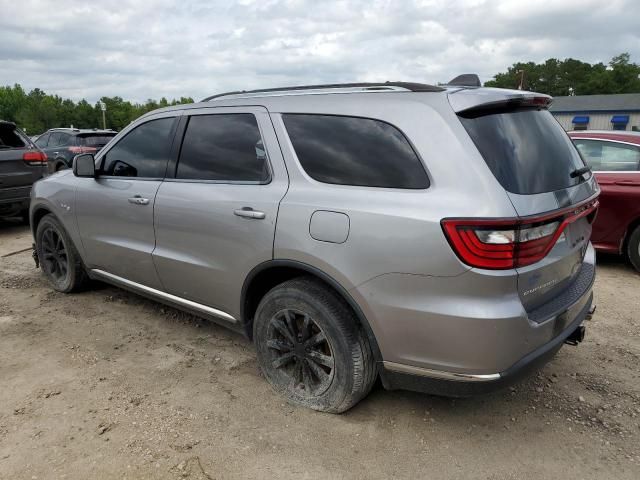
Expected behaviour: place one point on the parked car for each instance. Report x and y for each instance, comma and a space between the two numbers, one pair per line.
21, 164
62, 144
437, 238
615, 159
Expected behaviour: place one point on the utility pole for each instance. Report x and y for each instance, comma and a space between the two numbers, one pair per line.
103, 107
521, 84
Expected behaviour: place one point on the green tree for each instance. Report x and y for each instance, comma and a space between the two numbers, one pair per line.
37, 111
572, 77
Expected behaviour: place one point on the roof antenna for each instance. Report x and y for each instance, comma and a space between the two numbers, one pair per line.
465, 80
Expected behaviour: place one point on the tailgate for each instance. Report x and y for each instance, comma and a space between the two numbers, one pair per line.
540, 169
14, 170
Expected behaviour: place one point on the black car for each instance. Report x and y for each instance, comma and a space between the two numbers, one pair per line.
21, 164
62, 144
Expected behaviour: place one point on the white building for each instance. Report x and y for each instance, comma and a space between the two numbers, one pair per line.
598, 112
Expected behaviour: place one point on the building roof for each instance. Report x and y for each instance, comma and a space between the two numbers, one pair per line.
621, 102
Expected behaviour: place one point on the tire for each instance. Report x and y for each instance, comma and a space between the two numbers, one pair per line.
633, 248
329, 339
60, 166
54, 247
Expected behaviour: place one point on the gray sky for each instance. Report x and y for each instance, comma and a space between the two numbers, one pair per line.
149, 49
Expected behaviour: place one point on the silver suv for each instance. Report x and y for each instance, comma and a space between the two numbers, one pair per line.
435, 238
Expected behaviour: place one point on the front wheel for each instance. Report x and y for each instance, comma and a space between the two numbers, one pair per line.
60, 261
633, 248
310, 347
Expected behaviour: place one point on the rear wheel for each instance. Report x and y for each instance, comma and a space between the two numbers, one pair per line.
633, 248
60, 261
310, 347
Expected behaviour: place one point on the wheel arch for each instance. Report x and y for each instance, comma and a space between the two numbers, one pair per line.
37, 213
268, 274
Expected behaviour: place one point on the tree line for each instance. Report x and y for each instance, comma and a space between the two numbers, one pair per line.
572, 77
36, 111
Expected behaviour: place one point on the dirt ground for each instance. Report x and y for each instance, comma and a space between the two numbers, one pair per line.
105, 384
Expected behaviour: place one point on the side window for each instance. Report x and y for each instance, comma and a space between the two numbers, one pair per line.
42, 140
609, 156
55, 140
65, 139
355, 151
223, 147
143, 152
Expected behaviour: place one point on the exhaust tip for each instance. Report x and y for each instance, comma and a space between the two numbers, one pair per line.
576, 336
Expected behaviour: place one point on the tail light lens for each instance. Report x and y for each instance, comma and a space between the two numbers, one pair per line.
500, 244
78, 150
34, 158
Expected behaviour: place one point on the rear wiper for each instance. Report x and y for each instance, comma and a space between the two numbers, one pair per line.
578, 172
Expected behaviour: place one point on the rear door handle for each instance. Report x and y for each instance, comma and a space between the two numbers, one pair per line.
248, 212
627, 183
139, 200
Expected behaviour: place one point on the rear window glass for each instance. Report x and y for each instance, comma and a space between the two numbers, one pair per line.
94, 140
9, 138
526, 149
354, 151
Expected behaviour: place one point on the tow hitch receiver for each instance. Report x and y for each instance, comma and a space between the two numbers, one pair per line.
34, 254
576, 336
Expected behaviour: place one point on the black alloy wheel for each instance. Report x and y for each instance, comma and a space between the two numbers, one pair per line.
53, 257
301, 350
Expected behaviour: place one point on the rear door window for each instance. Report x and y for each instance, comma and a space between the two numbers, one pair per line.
602, 155
56, 139
224, 148
526, 149
354, 151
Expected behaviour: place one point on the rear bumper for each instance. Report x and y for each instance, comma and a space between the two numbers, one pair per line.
402, 377
469, 333
14, 199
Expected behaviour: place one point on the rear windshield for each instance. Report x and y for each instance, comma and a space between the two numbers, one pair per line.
95, 140
526, 149
10, 138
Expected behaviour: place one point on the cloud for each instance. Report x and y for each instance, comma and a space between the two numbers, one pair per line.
141, 50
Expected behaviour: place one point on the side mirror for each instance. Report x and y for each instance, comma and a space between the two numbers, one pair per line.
84, 165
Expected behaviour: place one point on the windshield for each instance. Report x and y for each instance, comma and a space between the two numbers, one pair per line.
526, 149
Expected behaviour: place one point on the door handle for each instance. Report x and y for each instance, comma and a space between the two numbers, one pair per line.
627, 183
138, 200
248, 212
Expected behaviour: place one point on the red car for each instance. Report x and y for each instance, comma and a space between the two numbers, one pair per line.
614, 157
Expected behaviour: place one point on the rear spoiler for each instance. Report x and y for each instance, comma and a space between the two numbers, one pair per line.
466, 100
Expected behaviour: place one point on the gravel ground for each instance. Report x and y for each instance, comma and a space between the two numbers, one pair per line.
105, 384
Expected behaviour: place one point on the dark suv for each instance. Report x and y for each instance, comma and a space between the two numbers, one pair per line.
21, 164
62, 144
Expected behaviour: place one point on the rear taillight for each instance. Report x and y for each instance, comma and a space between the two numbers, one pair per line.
498, 244
34, 158
78, 150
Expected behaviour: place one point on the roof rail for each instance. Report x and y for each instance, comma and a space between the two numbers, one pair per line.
364, 87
